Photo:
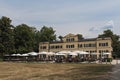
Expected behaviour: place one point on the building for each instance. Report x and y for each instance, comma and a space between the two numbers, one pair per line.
71, 42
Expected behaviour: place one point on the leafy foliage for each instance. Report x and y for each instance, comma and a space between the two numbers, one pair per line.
36, 41
115, 41
47, 34
80, 36
23, 38
60, 37
6, 36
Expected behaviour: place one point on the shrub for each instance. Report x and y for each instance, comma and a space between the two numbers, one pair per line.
109, 59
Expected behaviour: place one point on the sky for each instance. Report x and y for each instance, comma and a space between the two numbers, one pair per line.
87, 17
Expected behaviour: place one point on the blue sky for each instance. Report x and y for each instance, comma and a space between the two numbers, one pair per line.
87, 17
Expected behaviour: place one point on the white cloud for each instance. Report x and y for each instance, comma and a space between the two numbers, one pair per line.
108, 25
101, 27
88, 18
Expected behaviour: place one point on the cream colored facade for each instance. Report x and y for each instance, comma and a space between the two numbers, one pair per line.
71, 42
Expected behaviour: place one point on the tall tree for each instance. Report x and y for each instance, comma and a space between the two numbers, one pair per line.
60, 37
24, 38
47, 34
36, 40
6, 36
80, 36
115, 41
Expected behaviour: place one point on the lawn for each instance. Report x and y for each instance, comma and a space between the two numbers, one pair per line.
56, 71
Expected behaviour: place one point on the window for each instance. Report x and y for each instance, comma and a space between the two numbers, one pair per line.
87, 51
69, 46
100, 51
103, 44
106, 51
51, 47
40, 47
72, 39
90, 45
79, 45
66, 46
61, 46
99, 44
69, 39
43, 47
72, 46
86, 45
56, 47
93, 45
106, 44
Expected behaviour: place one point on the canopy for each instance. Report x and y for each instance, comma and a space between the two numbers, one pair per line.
94, 53
106, 53
13, 54
51, 53
81, 52
64, 52
73, 53
60, 54
25, 54
33, 53
43, 52
16, 54
84, 52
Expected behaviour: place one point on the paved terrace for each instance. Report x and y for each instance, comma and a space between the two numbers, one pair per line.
114, 62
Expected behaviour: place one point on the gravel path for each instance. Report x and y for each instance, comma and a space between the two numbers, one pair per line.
115, 75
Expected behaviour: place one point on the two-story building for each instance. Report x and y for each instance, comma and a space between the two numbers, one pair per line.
71, 42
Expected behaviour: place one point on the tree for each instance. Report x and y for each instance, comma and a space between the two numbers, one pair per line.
60, 37
6, 36
107, 33
24, 38
47, 34
115, 41
80, 36
36, 41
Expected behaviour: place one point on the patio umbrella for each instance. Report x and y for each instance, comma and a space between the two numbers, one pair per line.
60, 54
64, 52
106, 53
51, 53
94, 53
73, 53
77, 51
13, 55
25, 54
81, 52
33, 53
43, 52
16, 54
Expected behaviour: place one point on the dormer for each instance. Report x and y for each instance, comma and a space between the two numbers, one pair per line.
70, 38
